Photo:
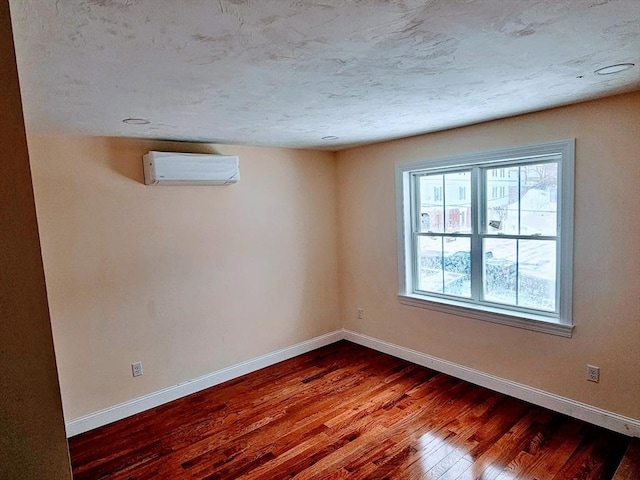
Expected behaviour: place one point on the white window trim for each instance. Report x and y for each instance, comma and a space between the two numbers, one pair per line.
563, 325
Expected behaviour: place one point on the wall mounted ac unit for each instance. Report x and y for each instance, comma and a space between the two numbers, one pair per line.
168, 168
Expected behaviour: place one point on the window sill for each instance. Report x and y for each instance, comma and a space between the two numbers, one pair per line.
489, 314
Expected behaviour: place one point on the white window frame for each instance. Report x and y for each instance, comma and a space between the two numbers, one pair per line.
560, 323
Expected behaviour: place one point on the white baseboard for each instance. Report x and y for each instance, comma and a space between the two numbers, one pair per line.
582, 411
155, 399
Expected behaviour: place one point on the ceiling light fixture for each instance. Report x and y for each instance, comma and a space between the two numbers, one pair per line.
136, 121
611, 69
330, 137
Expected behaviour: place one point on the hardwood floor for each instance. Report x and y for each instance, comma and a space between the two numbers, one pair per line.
345, 411
629, 468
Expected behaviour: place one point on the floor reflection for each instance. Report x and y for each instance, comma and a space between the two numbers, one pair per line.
446, 456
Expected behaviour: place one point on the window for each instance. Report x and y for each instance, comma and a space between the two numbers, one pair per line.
502, 255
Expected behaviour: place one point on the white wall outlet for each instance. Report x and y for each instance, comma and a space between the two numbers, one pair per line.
593, 373
360, 313
136, 369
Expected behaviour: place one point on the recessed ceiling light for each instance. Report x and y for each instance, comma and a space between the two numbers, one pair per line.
620, 67
136, 121
330, 137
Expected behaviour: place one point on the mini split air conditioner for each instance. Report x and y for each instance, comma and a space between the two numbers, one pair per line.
168, 168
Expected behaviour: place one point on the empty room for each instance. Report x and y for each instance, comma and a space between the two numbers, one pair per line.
320, 239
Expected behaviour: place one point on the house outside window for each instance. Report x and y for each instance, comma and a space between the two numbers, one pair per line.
503, 254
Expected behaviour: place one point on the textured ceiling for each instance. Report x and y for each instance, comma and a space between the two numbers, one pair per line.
287, 73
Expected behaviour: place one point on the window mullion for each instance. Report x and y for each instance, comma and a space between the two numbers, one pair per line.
518, 271
444, 204
415, 263
519, 200
478, 220
415, 203
415, 229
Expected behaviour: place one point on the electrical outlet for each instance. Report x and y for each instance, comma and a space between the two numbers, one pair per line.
360, 313
136, 369
593, 373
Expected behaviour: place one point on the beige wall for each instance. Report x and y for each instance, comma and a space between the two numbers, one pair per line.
187, 280
32, 436
606, 296
193, 279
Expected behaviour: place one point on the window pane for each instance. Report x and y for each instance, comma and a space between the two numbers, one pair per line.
457, 202
537, 274
457, 266
445, 203
430, 271
538, 199
444, 265
499, 270
526, 265
431, 203
501, 189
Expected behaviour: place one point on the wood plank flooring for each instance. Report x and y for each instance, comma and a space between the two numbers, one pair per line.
345, 411
629, 468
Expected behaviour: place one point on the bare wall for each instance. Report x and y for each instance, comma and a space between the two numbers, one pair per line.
606, 300
187, 280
